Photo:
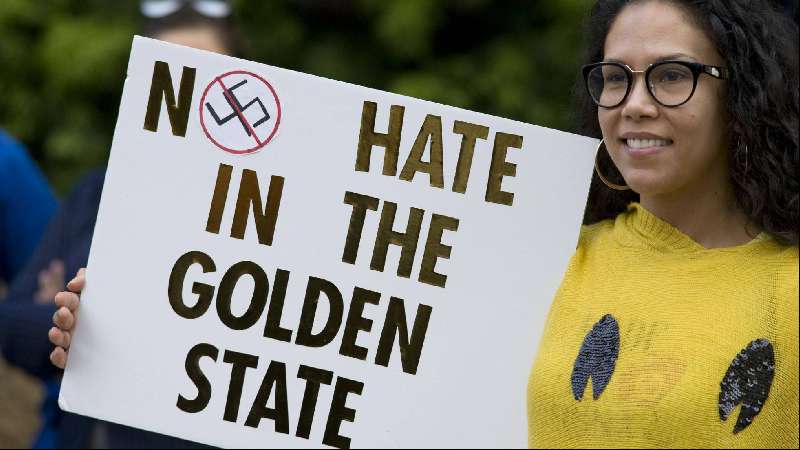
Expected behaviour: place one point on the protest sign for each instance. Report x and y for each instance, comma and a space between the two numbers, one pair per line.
283, 260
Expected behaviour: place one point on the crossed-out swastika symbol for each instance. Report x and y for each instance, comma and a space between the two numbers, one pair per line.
246, 97
237, 109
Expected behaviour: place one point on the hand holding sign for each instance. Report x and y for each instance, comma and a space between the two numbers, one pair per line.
64, 319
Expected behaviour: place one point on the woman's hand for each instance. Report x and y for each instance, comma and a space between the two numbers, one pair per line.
64, 319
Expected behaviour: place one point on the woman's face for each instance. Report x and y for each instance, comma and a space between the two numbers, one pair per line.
661, 150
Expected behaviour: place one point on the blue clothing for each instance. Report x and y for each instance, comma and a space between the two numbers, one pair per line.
26, 205
24, 325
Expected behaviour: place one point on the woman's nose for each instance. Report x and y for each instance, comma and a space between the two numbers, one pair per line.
640, 103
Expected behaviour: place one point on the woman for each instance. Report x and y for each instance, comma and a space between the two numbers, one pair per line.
680, 305
703, 267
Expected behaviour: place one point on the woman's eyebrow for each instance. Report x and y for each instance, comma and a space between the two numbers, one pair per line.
671, 56
680, 56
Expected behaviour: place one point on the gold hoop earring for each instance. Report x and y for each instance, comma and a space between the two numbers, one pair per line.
605, 181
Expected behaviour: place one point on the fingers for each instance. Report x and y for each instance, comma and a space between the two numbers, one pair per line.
64, 319
59, 357
60, 338
76, 284
68, 300
43, 278
57, 270
51, 280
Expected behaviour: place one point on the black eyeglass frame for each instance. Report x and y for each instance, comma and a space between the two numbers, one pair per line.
697, 69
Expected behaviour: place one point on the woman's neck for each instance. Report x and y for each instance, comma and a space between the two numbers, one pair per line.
707, 214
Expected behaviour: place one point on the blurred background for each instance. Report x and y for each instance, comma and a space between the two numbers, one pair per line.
63, 62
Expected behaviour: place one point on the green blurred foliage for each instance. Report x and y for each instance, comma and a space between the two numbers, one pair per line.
63, 61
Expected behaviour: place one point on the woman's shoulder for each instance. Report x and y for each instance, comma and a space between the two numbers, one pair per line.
594, 241
766, 251
787, 270
596, 233
788, 253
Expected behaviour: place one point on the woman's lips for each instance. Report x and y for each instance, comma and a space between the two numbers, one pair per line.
645, 147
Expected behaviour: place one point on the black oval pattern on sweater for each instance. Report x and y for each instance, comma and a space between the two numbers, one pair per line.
747, 381
597, 358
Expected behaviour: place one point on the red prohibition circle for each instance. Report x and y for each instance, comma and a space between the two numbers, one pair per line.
259, 144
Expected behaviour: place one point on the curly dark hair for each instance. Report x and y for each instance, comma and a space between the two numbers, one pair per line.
760, 46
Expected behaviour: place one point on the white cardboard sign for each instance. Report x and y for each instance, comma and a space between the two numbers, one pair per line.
283, 260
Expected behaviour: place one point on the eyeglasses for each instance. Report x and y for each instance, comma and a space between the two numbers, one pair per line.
158, 9
671, 83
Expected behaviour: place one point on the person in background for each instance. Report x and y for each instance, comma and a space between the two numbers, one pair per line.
23, 324
26, 206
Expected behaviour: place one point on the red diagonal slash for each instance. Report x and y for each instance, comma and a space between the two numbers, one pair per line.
239, 113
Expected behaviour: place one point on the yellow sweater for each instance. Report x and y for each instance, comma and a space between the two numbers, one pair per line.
653, 339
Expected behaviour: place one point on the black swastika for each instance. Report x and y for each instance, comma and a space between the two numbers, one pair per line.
238, 109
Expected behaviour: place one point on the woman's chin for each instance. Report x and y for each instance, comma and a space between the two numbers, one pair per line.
647, 183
